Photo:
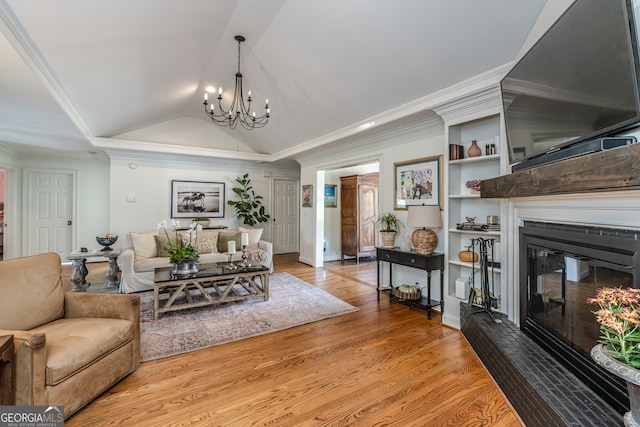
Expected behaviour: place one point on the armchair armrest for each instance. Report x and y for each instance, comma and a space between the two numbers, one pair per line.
30, 360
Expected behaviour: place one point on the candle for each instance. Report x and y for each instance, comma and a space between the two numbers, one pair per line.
245, 239
231, 247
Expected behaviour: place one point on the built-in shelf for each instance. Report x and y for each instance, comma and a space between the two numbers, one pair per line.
478, 159
465, 196
479, 233
470, 265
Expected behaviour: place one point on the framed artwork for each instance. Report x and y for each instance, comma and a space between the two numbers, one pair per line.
307, 196
330, 196
197, 199
418, 182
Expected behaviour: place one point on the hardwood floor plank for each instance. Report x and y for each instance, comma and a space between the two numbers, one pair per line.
385, 364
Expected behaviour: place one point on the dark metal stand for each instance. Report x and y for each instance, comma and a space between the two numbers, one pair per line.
485, 247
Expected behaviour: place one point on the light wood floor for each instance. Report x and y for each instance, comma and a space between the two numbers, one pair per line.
385, 365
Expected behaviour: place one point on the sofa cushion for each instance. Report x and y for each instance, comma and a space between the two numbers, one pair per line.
162, 242
224, 237
144, 244
207, 242
74, 344
31, 290
254, 235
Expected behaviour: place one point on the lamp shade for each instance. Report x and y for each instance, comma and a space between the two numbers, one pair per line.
424, 217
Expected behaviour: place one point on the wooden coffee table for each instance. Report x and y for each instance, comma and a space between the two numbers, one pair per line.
212, 284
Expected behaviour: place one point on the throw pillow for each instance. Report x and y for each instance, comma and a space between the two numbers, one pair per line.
254, 235
162, 242
224, 238
144, 244
207, 242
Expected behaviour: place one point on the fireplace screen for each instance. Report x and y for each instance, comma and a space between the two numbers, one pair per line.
559, 286
561, 266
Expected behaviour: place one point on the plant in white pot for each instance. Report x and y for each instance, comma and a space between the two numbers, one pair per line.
619, 351
390, 225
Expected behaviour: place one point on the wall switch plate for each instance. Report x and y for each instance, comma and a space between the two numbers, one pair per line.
132, 198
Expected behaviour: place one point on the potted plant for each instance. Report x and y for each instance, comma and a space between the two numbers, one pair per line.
249, 208
183, 255
390, 225
618, 351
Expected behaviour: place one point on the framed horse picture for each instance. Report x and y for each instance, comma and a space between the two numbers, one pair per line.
192, 199
418, 182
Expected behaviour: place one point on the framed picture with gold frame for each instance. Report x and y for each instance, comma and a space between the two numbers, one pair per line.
418, 182
307, 196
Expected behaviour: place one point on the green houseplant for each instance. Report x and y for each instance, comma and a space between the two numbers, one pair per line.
182, 254
249, 208
390, 225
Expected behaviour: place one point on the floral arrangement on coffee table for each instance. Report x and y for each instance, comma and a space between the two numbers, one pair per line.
178, 249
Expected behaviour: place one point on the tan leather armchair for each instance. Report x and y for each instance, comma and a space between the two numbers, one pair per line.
69, 347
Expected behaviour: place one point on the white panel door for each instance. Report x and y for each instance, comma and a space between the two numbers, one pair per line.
285, 216
49, 213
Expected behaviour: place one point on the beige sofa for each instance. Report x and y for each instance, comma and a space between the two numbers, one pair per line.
69, 347
138, 261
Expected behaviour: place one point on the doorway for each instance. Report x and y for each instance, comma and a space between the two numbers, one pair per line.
332, 214
285, 216
49, 211
2, 201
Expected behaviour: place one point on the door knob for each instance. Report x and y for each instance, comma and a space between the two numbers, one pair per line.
69, 222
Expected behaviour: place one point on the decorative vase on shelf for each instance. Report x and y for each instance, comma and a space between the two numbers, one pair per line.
185, 266
601, 356
474, 150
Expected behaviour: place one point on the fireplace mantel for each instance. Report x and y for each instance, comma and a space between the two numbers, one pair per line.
610, 170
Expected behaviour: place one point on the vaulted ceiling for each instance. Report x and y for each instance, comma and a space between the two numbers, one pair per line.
86, 74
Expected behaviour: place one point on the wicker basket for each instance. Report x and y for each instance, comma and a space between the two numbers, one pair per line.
407, 295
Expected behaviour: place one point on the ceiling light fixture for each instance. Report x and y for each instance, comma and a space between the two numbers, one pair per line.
238, 111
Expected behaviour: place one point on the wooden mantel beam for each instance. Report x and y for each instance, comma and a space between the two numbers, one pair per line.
615, 169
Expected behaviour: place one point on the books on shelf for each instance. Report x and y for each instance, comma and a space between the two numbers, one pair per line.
474, 226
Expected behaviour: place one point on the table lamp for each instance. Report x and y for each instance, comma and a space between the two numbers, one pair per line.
423, 218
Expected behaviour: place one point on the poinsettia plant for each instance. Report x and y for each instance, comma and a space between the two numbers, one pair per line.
178, 249
619, 319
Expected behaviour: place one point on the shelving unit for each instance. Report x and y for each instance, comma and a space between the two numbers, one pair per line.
462, 202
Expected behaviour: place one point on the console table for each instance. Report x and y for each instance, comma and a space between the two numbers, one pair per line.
435, 261
80, 271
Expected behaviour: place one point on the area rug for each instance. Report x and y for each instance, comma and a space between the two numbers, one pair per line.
292, 302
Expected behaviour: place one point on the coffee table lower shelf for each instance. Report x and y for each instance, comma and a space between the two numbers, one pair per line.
213, 285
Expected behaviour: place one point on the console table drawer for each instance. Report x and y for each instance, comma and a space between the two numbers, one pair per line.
413, 260
389, 256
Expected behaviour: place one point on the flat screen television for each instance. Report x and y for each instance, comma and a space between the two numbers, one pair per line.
577, 84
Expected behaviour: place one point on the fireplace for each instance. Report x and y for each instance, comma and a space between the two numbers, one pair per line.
561, 265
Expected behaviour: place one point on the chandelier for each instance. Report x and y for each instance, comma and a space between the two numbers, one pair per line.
238, 111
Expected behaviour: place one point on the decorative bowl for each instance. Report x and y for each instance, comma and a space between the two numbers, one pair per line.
106, 242
202, 222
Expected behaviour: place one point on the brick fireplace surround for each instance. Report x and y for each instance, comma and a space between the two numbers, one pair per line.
542, 391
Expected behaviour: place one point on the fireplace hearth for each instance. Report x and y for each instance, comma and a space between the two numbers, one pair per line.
544, 366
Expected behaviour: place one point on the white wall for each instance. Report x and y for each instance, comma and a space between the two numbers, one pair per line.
403, 145
150, 183
92, 190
